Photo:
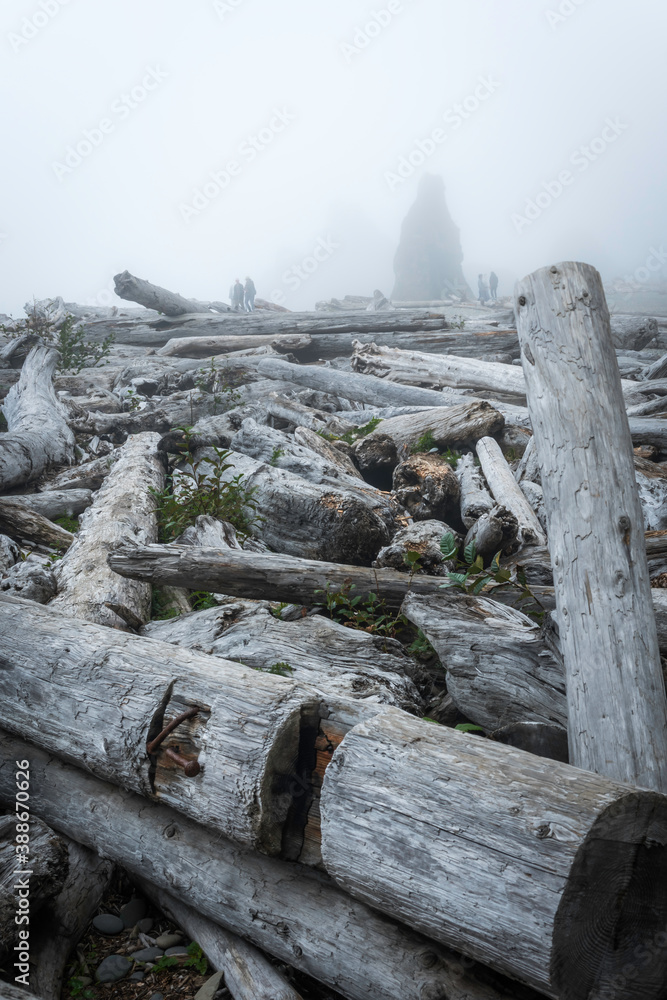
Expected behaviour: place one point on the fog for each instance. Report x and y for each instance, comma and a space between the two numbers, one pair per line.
195, 143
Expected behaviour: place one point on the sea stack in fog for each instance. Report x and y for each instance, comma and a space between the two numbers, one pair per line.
427, 264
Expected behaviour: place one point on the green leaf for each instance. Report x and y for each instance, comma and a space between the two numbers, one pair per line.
480, 585
459, 578
478, 565
448, 545
495, 563
503, 575
470, 552
427, 718
468, 727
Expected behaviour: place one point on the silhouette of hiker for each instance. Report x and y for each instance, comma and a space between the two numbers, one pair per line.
482, 290
493, 285
237, 296
250, 293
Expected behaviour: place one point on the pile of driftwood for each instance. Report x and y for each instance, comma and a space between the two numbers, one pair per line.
317, 816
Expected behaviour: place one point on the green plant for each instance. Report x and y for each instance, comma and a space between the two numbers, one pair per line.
421, 647
275, 455
197, 959
204, 490
166, 962
77, 988
202, 600
69, 339
457, 323
471, 577
70, 524
358, 432
427, 718
161, 606
368, 614
425, 443
280, 668
220, 384
451, 457
468, 727
132, 400
277, 612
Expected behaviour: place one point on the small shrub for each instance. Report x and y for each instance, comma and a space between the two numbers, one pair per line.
204, 491
161, 607
471, 577
425, 443
197, 959
369, 615
469, 727
354, 435
70, 524
280, 668
76, 352
275, 455
421, 648
202, 600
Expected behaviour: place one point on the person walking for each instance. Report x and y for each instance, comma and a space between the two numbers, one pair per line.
482, 289
493, 285
237, 296
250, 293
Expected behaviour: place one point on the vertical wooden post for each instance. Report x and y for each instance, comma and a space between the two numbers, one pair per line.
617, 707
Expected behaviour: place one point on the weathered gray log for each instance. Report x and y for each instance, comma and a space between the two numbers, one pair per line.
475, 498
292, 913
123, 511
178, 409
535, 496
500, 669
343, 523
21, 523
339, 662
305, 416
311, 439
363, 388
537, 868
246, 733
462, 425
422, 538
208, 347
617, 708
468, 343
38, 435
649, 430
54, 503
261, 576
283, 451
632, 332
529, 466
427, 487
24, 888
65, 917
495, 531
10, 992
126, 286
248, 973
87, 476
507, 492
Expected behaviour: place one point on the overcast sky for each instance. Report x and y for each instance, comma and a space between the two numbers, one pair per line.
193, 143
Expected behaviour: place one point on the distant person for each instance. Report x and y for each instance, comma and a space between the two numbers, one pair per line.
237, 296
250, 293
493, 285
482, 290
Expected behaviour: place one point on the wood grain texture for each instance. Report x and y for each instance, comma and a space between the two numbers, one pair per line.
617, 707
38, 435
533, 866
507, 492
294, 914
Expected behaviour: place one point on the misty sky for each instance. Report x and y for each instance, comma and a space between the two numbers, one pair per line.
305, 110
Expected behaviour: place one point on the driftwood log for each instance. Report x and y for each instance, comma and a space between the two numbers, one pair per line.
617, 709
462, 425
88, 476
209, 347
262, 576
126, 286
20, 522
507, 492
292, 913
123, 510
475, 498
550, 874
245, 735
38, 435
54, 503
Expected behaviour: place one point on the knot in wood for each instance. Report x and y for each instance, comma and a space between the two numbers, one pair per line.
522, 300
624, 523
528, 354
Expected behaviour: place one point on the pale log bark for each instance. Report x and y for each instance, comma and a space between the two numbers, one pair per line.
248, 973
283, 451
21, 523
305, 416
262, 576
99, 702
343, 523
536, 868
207, 347
123, 511
290, 912
65, 917
48, 867
339, 662
463, 425
132, 289
87, 476
475, 498
617, 707
55, 503
311, 439
507, 492
38, 435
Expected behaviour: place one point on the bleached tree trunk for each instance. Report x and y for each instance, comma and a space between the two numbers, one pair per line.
87, 476
123, 511
248, 973
38, 435
126, 286
292, 913
534, 867
305, 416
96, 698
507, 492
284, 451
55, 503
475, 498
207, 347
264, 576
463, 424
617, 707
20, 523
65, 917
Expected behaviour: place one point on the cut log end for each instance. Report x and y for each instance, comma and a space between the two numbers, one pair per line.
609, 934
